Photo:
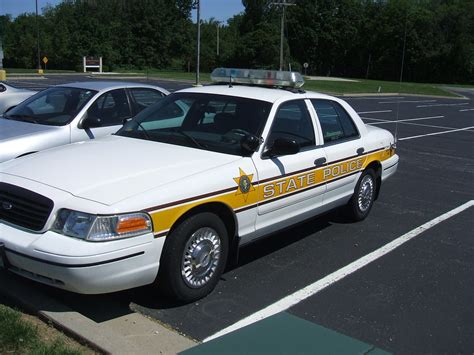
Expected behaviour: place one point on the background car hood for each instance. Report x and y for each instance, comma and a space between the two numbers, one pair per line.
14, 129
113, 168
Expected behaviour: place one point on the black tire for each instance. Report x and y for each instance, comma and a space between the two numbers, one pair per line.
361, 202
202, 237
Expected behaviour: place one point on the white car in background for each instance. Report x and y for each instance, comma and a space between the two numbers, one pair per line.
10, 96
71, 113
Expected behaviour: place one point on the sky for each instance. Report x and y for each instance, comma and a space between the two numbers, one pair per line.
221, 10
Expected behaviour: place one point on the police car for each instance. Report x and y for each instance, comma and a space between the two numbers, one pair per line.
170, 198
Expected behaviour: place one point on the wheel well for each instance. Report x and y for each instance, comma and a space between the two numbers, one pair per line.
221, 210
377, 168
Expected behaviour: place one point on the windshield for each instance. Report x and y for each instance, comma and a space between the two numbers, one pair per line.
56, 106
204, 121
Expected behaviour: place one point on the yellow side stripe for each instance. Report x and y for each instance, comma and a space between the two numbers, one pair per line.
164, 218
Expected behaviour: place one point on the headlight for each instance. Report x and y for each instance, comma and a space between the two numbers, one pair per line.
101, 228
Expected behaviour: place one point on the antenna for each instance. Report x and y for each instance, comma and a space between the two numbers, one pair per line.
401, 75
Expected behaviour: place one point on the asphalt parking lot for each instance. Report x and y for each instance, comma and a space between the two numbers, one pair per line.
414, 299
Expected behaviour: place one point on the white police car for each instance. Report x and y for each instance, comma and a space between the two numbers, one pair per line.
171, 196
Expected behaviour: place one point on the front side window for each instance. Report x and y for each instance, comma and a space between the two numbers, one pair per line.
110, 109
204, 121
336, 124
55, 106
292, 121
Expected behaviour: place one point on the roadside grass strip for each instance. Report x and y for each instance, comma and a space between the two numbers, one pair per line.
18, 336
312, 289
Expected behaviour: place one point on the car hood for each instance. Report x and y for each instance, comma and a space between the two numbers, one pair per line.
111, 169
14, 129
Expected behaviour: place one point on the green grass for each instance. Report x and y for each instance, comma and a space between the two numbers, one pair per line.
361, 86
375, 86
326, 86
18, 336
167, 74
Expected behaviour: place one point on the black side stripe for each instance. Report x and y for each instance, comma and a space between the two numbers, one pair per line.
74, 265
162, 234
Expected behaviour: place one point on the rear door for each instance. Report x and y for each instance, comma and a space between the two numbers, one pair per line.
343, 147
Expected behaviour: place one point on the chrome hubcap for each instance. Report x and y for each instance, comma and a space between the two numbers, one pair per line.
366, 193
201, 257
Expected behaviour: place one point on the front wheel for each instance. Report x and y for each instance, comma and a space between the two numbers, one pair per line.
362, 201
193, 258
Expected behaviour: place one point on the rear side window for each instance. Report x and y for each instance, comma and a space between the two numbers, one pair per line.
111, 108
142, 98
336, 124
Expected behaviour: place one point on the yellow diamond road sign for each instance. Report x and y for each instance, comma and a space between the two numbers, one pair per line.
45, 60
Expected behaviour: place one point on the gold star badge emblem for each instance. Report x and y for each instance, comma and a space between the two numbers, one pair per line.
244, 181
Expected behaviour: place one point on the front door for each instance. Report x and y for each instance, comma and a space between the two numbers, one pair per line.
290, 185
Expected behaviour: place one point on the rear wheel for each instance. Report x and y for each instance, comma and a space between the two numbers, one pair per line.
193, 258
362, 201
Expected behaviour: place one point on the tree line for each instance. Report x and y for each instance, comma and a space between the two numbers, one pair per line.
432, 39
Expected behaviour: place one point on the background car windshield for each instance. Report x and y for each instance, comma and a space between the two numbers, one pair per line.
204, 121
55, 106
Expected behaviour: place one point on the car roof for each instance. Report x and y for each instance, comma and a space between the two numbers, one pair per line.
254, 92
106, 85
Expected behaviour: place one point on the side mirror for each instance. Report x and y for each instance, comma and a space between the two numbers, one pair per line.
283, 146
90, 122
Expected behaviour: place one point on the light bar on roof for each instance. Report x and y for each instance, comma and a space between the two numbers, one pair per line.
257, 77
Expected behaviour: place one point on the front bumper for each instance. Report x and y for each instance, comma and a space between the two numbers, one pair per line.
80, 266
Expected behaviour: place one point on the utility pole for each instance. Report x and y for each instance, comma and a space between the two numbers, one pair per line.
217, 45
283, 4
197, 4
38, 39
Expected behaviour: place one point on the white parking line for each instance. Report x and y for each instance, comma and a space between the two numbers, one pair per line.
374, 119
436, 133
380, 121
361, 113
408, 119
338, 275
466, 109
437, 105
404, 102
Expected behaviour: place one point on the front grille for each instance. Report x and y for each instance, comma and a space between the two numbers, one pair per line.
23, 207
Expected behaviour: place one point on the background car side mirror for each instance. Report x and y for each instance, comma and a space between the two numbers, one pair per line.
283, 146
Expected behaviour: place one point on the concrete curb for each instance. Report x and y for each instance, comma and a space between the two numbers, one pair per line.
126, 334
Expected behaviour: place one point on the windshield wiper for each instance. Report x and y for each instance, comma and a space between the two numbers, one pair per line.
23, 118
190, 138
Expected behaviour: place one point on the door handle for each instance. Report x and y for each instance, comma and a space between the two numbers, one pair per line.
320, 161
360, 151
